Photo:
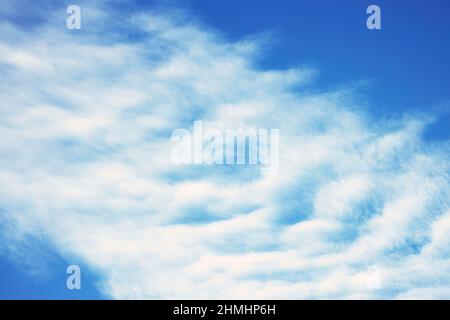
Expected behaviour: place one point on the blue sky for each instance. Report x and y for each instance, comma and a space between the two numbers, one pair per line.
87, 119
407, 58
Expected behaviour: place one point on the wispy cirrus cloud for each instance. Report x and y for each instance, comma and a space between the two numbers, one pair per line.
86, 120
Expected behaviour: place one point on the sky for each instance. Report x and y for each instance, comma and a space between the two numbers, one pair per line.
358, 209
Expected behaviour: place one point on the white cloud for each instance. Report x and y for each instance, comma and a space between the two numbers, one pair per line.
85, 156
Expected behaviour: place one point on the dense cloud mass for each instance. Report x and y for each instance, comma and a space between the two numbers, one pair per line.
359, 208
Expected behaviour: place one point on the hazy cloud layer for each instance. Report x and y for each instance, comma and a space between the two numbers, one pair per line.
85, 124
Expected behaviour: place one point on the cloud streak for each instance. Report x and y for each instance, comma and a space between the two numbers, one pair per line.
85, 125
